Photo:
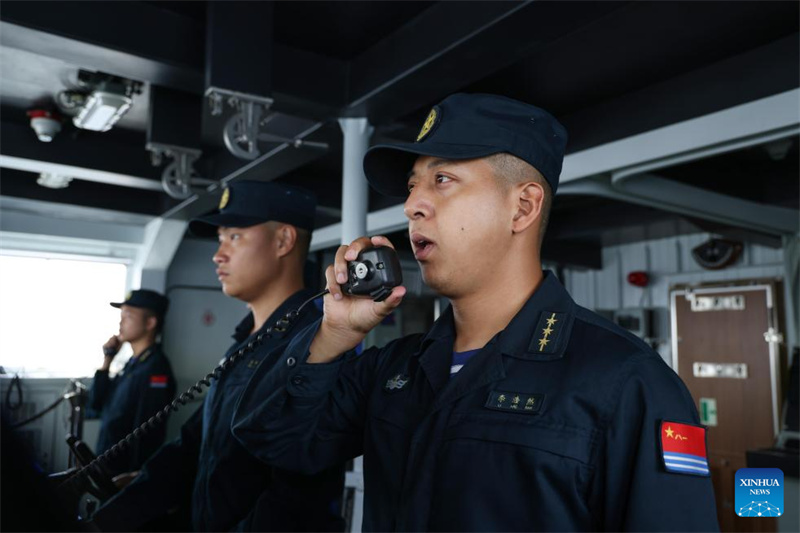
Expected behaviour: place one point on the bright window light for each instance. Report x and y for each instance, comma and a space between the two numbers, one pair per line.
54, 314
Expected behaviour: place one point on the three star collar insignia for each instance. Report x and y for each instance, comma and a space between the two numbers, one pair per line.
433, 119
548, 330
683, 448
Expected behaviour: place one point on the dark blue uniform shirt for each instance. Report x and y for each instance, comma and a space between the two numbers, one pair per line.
552, 426
231, 489
124, 402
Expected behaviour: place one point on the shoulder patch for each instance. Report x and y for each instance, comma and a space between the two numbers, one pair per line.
158, 381
683, 448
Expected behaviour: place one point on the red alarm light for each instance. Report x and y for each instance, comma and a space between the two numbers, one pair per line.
638, 278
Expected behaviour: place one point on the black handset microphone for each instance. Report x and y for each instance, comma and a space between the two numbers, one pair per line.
375, 272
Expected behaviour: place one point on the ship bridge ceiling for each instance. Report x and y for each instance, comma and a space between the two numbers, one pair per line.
612, 72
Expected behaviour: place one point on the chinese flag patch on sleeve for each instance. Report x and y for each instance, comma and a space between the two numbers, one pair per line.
683, 448
158, 381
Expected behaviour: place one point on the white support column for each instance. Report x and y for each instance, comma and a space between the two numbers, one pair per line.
161, 240
355, 196
355, 190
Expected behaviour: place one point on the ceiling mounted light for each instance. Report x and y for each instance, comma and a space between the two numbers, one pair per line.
104, 99
103, 109
53, 181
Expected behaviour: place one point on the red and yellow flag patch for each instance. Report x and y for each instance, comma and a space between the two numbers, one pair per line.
158, 381
683, 448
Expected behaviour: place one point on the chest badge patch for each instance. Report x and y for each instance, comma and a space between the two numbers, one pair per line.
253, 363
396, 383
683, 448
158, 381
515, 402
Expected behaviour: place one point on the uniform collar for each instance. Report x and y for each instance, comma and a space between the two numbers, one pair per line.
146, 354
291, 303
550, 308
244, 328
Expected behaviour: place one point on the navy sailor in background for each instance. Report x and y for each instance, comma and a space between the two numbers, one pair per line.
264, 233
518, 410
141, 389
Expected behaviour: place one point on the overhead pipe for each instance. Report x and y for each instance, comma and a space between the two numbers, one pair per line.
638, 185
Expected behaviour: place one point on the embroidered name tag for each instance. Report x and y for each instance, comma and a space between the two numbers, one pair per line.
515, 402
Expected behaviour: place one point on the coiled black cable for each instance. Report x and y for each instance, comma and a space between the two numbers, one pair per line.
282, 325
16, 383
40, 414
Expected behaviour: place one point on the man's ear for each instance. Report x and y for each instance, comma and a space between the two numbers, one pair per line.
528, 201
285, 239
151, 323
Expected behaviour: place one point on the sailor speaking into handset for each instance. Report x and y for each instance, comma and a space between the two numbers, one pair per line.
144, 385
519, 409
264, 234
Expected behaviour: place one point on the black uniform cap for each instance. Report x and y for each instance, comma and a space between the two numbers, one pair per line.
247, 203
468, 126
156, 302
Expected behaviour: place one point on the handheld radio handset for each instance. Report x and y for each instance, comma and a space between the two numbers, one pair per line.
374, 273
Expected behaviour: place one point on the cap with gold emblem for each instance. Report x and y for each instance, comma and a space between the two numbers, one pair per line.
467, 126
247, 203
155, 301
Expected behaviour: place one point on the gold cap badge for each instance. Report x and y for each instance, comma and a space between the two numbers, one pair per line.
226, 195
428, 125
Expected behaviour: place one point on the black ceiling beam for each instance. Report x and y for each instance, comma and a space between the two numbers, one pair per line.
237, 31
572, 223
447, 47
142, 42
174, 119
129, 39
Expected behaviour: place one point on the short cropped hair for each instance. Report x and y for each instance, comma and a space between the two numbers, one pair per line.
303, 242
511, 170
159, 319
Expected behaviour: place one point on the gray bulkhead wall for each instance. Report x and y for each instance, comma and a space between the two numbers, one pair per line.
200, 320
668, 262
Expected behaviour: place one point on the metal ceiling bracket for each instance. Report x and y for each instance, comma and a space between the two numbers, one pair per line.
179, 177
241, 131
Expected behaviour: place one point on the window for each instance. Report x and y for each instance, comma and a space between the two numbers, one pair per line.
54, 314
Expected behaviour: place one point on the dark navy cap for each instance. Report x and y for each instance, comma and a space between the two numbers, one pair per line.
247, 203
156, 302
468, 126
